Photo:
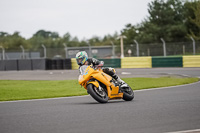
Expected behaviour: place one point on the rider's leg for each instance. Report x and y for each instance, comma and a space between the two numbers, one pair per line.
111, 71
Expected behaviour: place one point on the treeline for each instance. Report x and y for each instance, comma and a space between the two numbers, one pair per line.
172, 20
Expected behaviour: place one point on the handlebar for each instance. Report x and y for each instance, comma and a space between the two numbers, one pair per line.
99, 66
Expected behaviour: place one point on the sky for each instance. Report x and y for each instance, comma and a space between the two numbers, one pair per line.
81, 18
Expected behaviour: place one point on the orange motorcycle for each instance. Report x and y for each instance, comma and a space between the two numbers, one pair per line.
101, 86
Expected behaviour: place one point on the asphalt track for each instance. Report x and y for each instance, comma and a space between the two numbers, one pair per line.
152, 111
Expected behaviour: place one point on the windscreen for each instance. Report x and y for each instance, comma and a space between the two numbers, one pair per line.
82, 69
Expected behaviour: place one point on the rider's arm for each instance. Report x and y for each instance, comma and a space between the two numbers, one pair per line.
95, 61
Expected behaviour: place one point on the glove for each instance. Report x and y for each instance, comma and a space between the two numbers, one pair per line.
101, 63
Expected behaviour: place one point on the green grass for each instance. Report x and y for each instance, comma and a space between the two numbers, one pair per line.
147, 83
21, 90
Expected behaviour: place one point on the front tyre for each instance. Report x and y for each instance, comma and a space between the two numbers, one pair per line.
128, 94
97, 93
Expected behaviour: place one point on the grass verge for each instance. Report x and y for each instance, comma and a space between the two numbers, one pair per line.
21, 90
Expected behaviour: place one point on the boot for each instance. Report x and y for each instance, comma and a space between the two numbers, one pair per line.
121, 82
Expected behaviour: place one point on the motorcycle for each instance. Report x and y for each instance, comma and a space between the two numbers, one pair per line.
101, 86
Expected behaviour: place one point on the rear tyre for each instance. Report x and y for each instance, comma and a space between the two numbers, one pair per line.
98, 94
128, 94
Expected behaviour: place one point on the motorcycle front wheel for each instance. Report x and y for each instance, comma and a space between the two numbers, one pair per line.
97, 93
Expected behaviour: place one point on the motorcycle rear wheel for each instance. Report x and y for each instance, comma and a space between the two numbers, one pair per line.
99, 96
128, 94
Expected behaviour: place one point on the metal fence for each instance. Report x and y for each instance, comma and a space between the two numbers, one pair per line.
153, 49
156, 49
68, 52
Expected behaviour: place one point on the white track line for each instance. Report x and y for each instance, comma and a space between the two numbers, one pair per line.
44, 99
166, 87
187, 131
88, 95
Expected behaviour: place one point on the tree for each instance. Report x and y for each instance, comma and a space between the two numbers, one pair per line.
167, 20
193, 19
42, 33
48, 38
3, 34
13, 41
130, 31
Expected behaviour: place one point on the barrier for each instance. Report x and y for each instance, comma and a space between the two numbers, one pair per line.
11, 65
127, 62
67, 64
115, 63
57, 64
39, 64
35, 64
24, 65
191, 61
167, 62
53, 64
136, 62
48, 64
74, 64
2, 65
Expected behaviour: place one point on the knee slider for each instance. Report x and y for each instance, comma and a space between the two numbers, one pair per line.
109, 71
112, 70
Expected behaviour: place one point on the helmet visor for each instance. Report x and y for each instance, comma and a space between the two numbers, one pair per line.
80, 61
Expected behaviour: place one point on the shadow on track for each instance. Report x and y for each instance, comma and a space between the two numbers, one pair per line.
109, 102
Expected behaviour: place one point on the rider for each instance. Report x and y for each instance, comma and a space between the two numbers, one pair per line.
82, 59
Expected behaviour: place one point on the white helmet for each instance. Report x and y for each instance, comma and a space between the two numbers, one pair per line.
81, 57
